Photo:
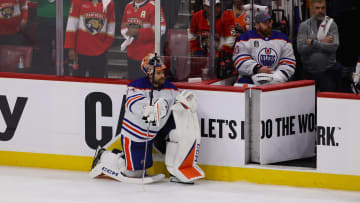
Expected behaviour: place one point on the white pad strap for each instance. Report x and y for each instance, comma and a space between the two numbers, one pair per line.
182, 149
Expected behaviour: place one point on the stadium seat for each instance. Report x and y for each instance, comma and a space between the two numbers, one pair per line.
10, 57
177, 43
184, 67
177, 56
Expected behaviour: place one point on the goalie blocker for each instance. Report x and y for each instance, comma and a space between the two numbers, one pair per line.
181, 151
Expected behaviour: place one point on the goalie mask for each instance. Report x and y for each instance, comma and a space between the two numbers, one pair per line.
147, 64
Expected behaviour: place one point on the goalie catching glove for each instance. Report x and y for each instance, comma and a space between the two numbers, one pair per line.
154, 113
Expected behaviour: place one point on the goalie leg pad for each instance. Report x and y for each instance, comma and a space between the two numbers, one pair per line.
182, 149
110, 160
119, 176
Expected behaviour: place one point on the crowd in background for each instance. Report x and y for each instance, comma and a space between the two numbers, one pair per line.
92, 26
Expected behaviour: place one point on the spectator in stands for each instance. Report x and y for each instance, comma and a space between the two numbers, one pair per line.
317, 42
356, 78
13, 18
238, 13
44, 58
199, 30
264, 56
138, 24
89, 34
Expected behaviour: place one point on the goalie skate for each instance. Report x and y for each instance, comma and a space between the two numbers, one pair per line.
174, 179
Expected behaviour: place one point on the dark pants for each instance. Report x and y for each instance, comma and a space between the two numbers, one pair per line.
162, 136
94, 65
134, 70
325, 81
15, 39
44, 57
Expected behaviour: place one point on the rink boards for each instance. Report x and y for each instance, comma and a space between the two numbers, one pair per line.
57, 122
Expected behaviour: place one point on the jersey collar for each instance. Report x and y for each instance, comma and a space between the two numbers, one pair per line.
145, 2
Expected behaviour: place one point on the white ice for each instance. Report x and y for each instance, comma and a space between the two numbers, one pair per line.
33, 185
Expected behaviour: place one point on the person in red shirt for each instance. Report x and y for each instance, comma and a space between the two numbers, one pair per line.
137, 27
13, 18
199, 30
89, 34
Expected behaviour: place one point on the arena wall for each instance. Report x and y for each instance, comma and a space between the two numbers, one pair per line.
57, 122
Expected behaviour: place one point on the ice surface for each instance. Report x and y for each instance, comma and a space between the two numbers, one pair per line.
30, 185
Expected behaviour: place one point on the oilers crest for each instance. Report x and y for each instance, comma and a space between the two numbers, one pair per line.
267, 57
7, 11
94, 22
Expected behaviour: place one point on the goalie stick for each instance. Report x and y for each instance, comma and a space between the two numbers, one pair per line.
148, 128
121, 116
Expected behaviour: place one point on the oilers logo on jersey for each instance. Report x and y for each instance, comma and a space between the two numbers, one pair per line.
275, 51
94, 22
267, 56
7, 11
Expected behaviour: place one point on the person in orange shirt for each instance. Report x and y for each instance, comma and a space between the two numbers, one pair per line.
238, 13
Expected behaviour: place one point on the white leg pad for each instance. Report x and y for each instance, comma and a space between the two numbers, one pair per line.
183, 148
108, 160
113, 165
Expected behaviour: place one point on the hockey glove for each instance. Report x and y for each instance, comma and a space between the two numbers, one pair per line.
154, 113
262, 78
188, 100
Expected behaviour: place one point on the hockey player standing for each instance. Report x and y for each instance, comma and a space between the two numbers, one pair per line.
151, 102
137, 28
89, 34
263, 56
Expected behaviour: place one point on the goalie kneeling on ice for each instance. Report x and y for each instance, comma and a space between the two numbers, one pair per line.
181, 153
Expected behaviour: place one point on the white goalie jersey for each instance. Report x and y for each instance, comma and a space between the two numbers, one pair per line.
133, 126
275, 51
